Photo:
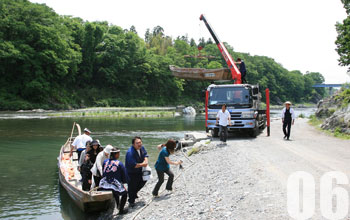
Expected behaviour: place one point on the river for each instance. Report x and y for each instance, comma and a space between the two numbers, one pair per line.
29, 145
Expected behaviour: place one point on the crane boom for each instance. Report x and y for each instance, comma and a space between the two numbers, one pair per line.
236, 74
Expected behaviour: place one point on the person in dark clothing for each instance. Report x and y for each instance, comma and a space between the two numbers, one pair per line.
85, 172
114, 176
96, 148
136, 158
162, 165
288, 117
242, 69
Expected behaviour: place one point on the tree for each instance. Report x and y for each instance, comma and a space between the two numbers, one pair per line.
53, 61
37, 51
158, 30
133, 29
342, 42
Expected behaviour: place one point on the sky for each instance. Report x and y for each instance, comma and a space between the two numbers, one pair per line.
298, 34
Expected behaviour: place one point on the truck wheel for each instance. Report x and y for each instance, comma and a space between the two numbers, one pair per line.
215, 132
255, 131
264, 124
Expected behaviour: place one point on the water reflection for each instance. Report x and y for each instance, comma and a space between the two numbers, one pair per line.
29, 148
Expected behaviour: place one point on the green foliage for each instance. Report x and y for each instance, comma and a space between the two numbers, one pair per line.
316, 122
61, 62
313, 120
339, 134
342, 42
193, 150
344, 97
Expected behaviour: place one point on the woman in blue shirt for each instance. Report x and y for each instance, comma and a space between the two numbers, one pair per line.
114, 176
162, 165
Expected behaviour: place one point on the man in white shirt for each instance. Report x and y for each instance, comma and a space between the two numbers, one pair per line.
288, 117
223, 118
79, 142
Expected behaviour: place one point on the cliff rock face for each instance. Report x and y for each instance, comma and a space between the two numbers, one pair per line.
336, 114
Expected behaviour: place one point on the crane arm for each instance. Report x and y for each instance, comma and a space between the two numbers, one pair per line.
236, 74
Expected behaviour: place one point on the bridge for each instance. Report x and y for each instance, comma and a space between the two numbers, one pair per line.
330, 86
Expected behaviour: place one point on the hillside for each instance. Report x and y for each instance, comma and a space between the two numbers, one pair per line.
52, 61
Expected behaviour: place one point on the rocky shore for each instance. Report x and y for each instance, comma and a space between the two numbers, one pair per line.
335, 110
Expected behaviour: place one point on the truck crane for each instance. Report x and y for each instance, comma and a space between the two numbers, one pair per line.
242, 100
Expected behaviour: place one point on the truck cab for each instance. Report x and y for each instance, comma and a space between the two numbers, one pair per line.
242, 101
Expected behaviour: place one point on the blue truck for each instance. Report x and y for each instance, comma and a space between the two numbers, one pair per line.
243, 103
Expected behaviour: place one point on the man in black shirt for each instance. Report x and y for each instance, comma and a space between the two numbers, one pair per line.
242, 69
288, 118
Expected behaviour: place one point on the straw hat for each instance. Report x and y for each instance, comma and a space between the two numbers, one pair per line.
287, 103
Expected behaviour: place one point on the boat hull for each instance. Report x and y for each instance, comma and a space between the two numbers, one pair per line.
85, 202
201, 73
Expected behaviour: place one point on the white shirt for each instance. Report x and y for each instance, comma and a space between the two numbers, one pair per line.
80, 141
139, 152
291, 111
223, 117
101, 157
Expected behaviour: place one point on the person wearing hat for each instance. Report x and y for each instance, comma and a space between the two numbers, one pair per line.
114, 176
79, 142
96, 170
95, 149
288, 117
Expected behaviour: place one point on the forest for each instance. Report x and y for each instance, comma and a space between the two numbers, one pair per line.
53, 61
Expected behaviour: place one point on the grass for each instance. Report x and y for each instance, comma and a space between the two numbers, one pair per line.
316, 122
295, 105
194, 150
116, 114
337, 133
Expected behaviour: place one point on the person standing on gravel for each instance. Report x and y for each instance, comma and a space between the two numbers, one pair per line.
136, 158
114, 178
223, 118
288, 117
162, 165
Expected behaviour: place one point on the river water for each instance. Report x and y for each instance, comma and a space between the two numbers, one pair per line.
29, 146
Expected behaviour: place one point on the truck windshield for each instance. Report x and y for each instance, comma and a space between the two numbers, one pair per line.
231, 96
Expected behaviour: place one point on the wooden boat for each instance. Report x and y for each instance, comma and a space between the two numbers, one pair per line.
69, 176
201, 73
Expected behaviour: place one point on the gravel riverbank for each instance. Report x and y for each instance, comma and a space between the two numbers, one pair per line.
246, 179
221, 183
